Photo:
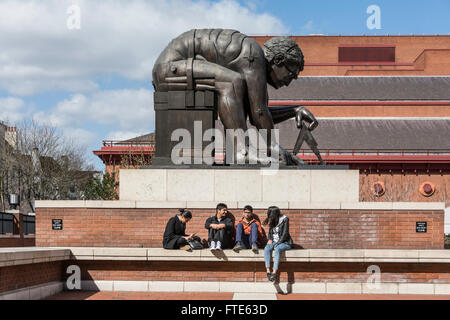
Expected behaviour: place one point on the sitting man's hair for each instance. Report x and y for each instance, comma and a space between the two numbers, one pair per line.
185, 213
221, 206
286, 47
249, 208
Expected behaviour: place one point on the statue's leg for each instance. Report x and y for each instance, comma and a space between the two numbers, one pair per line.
204, 75
230, 89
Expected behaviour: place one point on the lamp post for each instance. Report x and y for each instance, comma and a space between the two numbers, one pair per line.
14, 200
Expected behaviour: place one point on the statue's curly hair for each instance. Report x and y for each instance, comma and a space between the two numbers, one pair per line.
286, 47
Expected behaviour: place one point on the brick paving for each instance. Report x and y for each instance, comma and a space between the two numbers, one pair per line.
316, 296
126, 295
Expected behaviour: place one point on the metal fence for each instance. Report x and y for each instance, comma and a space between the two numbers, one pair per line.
29, 225
6, 223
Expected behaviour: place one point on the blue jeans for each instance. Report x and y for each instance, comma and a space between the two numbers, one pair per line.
246, 240
277, 252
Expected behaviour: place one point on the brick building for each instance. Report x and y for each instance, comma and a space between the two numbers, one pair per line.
383, 103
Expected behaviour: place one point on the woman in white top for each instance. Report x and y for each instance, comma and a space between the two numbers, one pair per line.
279, 239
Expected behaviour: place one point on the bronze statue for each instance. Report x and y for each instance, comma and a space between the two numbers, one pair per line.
235, 67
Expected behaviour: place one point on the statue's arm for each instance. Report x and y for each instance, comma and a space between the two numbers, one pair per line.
258, 98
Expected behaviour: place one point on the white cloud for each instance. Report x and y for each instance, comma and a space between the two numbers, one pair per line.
80, 136
124, 37
124, 135
14, 109
127, 110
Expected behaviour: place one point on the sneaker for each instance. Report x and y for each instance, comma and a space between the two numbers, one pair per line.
237, 247
273, 277
269, 275
186, 248
255, 248
218, 245
212, 246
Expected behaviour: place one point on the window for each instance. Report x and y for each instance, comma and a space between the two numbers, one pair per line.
367, 54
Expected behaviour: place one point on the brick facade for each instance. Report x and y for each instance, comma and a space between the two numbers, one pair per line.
17, 241
255, 271
310, 229
27, 275
414, 55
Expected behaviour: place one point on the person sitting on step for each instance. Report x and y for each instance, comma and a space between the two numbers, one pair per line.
220, 229
174, 234
248, 231
279, 239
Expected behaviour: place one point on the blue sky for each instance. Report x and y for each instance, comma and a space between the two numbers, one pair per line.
94, 82
349, 16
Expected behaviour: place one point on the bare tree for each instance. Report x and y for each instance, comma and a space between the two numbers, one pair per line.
43, 165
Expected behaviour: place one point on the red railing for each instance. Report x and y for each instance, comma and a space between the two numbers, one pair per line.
117, 143
371, 155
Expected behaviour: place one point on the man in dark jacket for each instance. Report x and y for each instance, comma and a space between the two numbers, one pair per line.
220, 229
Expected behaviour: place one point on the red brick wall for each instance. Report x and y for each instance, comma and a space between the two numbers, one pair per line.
21, 276
27, 275
313, 229
251, 271
16, 241
423, 55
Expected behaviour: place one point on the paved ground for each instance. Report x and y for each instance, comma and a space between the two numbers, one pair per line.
120, 295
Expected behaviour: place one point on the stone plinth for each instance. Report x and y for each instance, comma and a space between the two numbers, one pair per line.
241, 185
180, 110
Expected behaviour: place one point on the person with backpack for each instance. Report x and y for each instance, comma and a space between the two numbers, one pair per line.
175, 236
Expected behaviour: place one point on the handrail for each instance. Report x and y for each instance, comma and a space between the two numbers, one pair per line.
118, 143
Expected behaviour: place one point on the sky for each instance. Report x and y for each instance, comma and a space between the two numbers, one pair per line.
84, 66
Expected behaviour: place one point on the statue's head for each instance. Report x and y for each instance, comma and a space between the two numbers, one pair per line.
285, 61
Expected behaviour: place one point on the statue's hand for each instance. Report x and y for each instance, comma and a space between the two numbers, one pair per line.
285, 157
304, 114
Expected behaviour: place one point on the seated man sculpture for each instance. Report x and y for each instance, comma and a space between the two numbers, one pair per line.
235, 67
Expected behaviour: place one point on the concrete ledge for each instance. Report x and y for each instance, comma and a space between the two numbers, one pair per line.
418, 205
29, 255
253, 296
314, 205
210, 204
240, 204
161, 204
416, 288
269, 287
380, 288
346, 287
134, 254
34, 293
367, 205
264, 204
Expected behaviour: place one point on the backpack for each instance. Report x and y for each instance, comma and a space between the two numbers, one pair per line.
195, 244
